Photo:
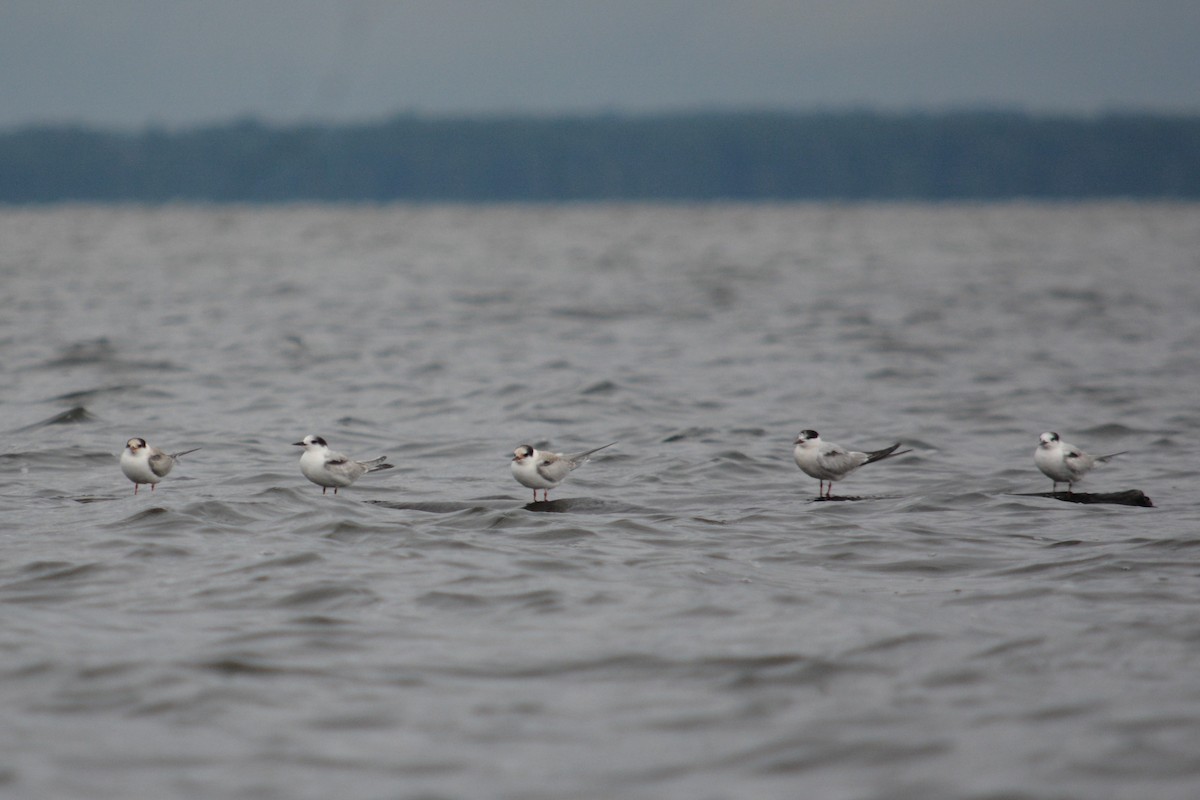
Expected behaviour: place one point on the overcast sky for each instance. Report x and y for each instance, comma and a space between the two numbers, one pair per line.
129, 63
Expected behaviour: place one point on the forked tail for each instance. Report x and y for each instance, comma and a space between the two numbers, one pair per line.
887, 452
1102, 459
376, 464
194, 449
579, 458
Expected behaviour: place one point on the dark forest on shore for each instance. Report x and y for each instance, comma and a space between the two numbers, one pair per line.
668, 157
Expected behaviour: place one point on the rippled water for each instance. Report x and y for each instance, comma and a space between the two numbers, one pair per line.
690, 624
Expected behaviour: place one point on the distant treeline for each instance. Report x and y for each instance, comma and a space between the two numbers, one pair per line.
683, 157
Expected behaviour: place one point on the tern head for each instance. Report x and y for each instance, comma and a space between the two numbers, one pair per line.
135, 444
315, 441
1048, 438
523, 452
806, 436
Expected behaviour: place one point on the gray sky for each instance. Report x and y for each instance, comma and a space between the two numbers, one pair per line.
129, 63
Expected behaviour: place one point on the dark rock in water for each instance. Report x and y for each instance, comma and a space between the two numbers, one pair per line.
68, 417
577, 505
549, 506
838, 497
432, 507
1129, 497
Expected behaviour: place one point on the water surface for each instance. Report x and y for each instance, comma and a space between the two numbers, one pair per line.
689, 624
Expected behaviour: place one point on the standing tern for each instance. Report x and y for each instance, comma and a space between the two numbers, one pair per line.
142, 463
1064, 463
826, 461
540, 470
328, 469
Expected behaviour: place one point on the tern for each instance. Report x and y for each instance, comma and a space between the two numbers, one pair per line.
328, 469
1064, 463
541, 470
826, 461
142, 463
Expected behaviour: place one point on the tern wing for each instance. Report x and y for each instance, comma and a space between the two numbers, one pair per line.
836, 461
554, 467
160, 462
1076, 461
338, 464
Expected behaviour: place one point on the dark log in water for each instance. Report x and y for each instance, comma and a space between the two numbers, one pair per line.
842, 497
577, 505
1129, 497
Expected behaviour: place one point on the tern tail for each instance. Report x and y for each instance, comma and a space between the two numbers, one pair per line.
376, 464
1102, 459
887, 452
579, 458
185, 452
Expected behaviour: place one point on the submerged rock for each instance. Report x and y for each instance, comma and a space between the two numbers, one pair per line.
1128, 497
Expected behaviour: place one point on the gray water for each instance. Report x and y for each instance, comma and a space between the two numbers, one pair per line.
685, 622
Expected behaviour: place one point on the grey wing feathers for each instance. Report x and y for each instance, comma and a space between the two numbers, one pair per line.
161, 463
554, 468
1102, 459
837, 462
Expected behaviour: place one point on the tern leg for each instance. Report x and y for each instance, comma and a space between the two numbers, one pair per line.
135, 488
